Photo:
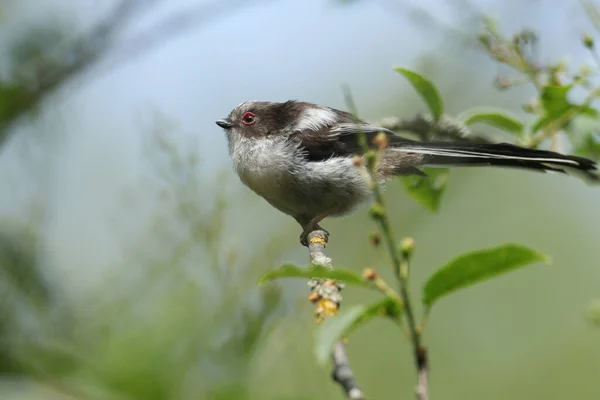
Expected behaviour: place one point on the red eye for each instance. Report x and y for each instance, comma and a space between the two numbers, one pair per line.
248, 118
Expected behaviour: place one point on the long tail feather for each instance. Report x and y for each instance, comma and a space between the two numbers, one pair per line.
501, 155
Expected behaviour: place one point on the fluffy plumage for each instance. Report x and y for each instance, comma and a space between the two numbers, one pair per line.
298, 157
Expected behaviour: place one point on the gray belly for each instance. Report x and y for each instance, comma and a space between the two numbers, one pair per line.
309, 189
295, 186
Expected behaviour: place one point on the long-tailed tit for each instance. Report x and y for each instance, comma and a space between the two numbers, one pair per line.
300, 157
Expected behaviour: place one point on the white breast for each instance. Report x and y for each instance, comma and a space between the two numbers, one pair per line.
263, 164
275, 169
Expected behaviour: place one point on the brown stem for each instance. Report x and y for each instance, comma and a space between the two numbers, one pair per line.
422, 389
400, 259
342, 373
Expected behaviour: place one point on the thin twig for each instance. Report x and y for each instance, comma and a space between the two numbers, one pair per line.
327, 295
400, 259
421, 362
422, 389
342, 373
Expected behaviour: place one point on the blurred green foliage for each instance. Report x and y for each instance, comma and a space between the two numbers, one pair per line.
159, 327
553, 113
160, 331
351, 319
554, 109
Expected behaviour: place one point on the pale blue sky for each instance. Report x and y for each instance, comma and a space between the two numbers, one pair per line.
278, 50
270, 50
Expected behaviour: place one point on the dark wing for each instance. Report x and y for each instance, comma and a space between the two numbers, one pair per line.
340, 140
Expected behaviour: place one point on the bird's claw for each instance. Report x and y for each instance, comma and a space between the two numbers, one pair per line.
307, 231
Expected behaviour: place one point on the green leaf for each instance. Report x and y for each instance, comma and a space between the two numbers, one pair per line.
348, 321
555, 103
554, 100
588, 111
477, 266
332, 329
292, 271
541, 123
387, 307
498, 118
589, 146
427, 90
547, 119
427, 190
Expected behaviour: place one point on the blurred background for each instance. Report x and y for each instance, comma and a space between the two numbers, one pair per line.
129, 250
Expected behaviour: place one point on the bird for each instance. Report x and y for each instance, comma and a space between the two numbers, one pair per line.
301, 158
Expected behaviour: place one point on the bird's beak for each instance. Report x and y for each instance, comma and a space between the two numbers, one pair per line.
224, 123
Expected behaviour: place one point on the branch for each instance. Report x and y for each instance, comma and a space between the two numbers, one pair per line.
421, 362
401, 268
327, 295
399, 257
342, 373
422, 389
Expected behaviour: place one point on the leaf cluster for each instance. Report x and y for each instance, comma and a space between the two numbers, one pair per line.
554, 111
462, 272
459, 273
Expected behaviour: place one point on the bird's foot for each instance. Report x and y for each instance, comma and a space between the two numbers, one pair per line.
307, 231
